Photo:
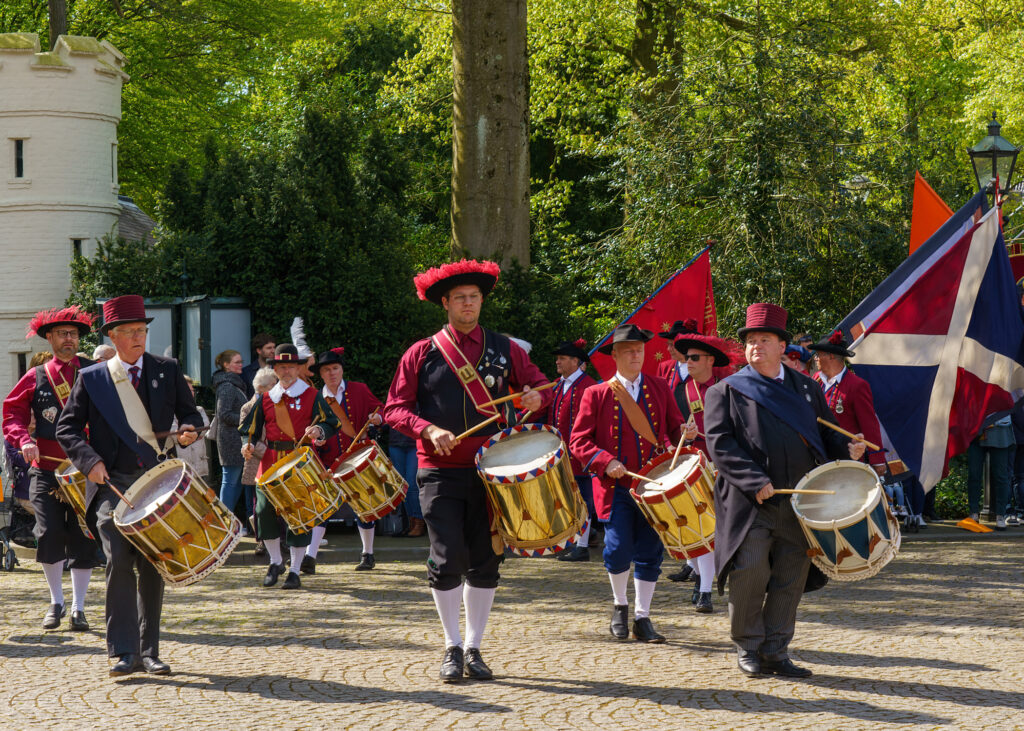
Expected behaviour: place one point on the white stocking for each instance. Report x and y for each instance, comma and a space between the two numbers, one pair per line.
366, 536
644, 594
478, 607
79, 585
318, 534
273, 546
297, 553
706, 567
53, 573
449, 604
619, 582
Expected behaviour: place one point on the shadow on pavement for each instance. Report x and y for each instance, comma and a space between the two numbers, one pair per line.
47, 645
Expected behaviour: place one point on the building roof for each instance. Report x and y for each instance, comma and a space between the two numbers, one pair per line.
134, 224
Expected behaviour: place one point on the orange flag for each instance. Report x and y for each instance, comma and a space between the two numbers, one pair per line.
928, 214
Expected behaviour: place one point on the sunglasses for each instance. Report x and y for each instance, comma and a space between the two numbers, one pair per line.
695, 357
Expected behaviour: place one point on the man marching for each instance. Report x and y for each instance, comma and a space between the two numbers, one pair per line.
354, 405
762, 435
108, 431
289, 411
848, 395
42, 394
676, 369
622, 424
440, 390
571, 362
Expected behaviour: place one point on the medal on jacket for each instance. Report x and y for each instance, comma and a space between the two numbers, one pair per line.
63, 390
839, 405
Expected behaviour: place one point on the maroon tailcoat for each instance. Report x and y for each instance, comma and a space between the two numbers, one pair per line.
851, 402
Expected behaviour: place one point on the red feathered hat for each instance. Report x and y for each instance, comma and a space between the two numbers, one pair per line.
725, 353
47, 319
435, 283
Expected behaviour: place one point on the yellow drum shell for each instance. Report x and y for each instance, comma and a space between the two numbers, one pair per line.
530, 487
370, 483
301, 490
178, 523
71, 490
682, 510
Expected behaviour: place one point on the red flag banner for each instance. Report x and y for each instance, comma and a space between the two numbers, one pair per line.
686, 294
928, 213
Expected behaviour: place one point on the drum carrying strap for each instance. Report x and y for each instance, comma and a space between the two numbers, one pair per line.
57, 381
634, 414
346, 424
134, 411
284, 419
470, 380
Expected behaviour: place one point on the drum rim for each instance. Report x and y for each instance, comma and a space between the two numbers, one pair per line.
122, 506
552, 460
356, 467
702, 461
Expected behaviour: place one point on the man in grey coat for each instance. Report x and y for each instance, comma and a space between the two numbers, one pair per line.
762, 435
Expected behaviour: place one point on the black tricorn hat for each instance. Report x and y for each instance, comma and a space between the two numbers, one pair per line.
626, 334
575, 349
835, 344
285, 353
328, 357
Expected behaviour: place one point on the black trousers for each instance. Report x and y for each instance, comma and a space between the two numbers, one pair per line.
133, 603
455, 510
57, 532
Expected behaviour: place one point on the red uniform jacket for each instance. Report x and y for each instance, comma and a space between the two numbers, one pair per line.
563, 409
358, 403
602, 433
667, 370
851, 402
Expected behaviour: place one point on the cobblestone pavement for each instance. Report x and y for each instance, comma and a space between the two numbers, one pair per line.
934, 640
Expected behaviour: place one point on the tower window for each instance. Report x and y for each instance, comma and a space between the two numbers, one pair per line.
19, 158
113, 163
76, 248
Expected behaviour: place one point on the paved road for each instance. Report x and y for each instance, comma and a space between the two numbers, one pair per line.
937, 639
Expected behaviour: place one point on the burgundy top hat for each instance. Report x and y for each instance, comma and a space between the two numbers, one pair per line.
435, 283
285, 353
766, 317
119, 310
334, 355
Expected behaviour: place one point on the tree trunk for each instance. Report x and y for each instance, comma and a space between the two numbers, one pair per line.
58, 20
491, 122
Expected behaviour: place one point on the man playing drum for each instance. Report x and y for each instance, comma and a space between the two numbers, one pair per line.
354, 405
622, 424
42, 393
439, 391
288, 410
571, 362
762, 435
107, 430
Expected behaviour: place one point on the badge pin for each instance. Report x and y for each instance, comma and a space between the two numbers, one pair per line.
50, 413
161, 375
808, 397
155, 383
839, 406
489, 381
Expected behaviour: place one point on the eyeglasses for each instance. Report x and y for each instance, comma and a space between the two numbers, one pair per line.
73, 333
694, 357
135, 332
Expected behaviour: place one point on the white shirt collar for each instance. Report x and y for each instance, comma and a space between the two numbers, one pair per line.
295, 390
683, 369
830, 382
129, 365
632, 386
567, 382
336, 396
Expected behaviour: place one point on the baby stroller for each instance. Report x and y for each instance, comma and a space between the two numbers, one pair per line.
7, 507
896, 490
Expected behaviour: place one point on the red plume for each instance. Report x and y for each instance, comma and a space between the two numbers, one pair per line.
581, 344
836, 338
339, 351
431, 277
73, 315
690, 324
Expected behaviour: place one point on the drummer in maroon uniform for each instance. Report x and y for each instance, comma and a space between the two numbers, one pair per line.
571, 362
707, 359
354, 405
439, 391
848, 395
622, 424
290, 410
42, 393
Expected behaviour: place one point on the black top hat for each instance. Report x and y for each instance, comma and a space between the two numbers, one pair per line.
680, 327
835, 344
575, 349
285, 353
334, 355
626, 334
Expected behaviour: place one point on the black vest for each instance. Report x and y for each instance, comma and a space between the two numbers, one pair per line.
442, 399
45, 405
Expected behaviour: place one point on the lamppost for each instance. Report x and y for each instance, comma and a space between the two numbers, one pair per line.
993, 158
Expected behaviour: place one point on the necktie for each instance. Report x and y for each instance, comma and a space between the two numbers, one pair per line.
134, 373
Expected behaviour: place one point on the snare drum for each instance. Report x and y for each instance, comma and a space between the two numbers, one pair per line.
852, 534
531, 490
370, 483
301, 490
177, 523
71, 490
680, 505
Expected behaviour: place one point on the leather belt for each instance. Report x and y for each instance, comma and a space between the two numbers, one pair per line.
281, 446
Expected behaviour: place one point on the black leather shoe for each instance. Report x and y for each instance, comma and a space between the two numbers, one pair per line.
273, 571
155, 666
451, 666
644, 631
682, 575
620, 622
785, 668
704, 605
696, 589
308, 565
53, 616
578, 553
291, 581
476, 668
127, 665
78, 622
366, 563
749, 663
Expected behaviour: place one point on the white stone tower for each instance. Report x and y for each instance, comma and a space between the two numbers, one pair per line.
59, 113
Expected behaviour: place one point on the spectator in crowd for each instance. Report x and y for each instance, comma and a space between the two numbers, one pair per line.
263, 345
1016, 517
103, 352
996, 442
402, 451
195, 454
38, 359
229, 389
264, 380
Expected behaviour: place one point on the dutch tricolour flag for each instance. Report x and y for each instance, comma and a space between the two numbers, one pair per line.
941, 341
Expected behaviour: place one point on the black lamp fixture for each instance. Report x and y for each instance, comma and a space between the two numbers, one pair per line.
994, 156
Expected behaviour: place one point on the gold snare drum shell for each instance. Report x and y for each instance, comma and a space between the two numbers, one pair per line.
371, 485
682, 509
71, 489
301, 490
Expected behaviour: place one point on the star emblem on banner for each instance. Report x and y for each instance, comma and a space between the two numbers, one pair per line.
665, 327
659, 355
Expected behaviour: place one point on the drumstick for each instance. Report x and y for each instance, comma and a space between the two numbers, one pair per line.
679, 448
479, 426
355, 440
511, 396
119, 493
523, 418
805, 492
843, 431
635, 476
161, 435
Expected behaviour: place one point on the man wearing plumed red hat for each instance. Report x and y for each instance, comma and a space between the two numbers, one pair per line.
571, 360
763, 435
42, 393
439, 391
354, 405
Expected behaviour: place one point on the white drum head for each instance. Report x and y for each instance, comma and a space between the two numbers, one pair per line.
357, 458
151, 490
667, 478
855, 485
520, 452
